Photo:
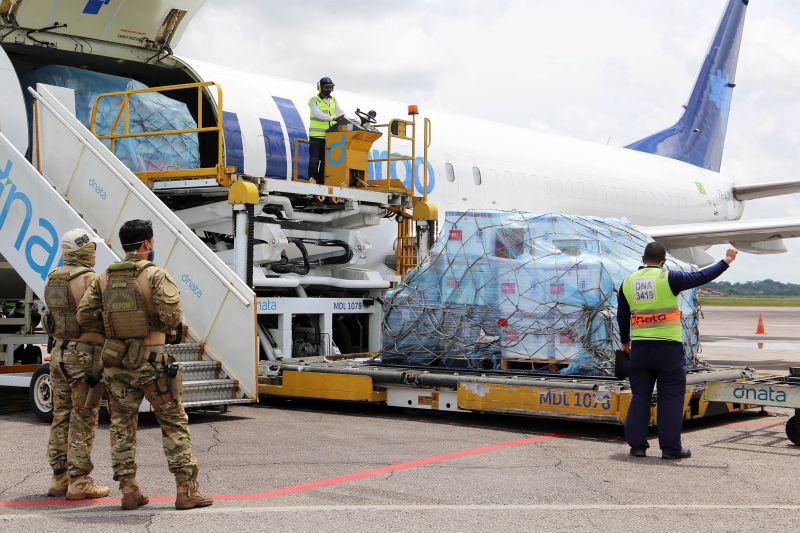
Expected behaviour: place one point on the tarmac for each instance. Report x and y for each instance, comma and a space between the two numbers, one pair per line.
310, 466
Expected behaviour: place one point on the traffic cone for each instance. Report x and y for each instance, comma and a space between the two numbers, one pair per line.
760, 327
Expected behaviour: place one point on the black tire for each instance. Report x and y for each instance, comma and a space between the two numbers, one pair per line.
793, 430
40, 394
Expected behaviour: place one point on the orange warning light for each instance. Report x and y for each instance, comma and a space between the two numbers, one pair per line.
412, 110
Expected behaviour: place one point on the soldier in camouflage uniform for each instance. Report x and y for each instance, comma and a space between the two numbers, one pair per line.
137, 306
75, 370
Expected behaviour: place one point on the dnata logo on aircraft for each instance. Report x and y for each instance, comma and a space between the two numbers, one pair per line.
19, 201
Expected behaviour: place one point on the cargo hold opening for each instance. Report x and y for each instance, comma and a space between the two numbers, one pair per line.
26, 59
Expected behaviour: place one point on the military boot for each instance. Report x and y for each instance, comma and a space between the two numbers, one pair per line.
84, 488
58, 487
189, 496
132, 495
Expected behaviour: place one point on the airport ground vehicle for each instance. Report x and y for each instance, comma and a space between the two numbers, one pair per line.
773, 391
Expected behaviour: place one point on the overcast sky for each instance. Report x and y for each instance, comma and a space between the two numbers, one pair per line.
608, 71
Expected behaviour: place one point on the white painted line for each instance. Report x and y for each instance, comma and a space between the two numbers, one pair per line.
222, 509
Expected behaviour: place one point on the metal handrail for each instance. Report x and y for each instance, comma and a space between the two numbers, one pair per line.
393, 157
58, 114
222, 172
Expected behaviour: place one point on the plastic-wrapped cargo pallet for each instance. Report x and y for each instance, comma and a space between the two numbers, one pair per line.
147, 111
522, 291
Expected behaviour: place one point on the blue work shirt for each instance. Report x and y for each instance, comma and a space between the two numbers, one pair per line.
678, 281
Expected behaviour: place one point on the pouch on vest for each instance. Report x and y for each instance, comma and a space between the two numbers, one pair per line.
48, 324
112, 353
175, 374
134, 354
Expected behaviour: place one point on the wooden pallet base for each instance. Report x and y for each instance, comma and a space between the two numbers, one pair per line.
545, 365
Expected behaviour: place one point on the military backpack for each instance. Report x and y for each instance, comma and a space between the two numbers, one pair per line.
59, 320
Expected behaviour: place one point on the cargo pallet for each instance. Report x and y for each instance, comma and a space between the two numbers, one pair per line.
596, 399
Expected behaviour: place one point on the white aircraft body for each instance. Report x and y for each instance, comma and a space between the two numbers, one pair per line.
668, 184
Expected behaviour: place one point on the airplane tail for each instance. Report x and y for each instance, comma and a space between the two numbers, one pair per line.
699, 135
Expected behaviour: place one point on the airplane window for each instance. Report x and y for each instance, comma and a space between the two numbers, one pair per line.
450, 172
476, 175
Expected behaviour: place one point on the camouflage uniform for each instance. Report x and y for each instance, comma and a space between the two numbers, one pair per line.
74, 424
127, 386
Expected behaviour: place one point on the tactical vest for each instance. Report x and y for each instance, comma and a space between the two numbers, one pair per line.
316, 127
126, 314
655, 314
62, 323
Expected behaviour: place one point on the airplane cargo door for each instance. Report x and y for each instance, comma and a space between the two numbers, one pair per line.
118, 22
13, 118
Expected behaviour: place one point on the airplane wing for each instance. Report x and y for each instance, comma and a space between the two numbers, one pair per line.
688, 241
765, 190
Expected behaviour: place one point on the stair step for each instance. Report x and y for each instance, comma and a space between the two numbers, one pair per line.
184, 352
211, 403
209, 389
200, 370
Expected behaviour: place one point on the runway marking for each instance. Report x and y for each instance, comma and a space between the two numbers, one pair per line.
304, 487
144, 511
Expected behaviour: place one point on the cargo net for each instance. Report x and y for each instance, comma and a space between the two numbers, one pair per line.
525, 292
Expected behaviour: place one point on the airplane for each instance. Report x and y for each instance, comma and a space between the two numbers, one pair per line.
668, 184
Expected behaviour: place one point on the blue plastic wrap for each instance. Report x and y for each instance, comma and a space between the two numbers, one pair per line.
507, 286
147, 112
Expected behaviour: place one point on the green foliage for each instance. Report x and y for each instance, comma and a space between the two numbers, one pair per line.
766, 287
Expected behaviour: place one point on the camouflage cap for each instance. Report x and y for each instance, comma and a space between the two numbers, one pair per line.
75, 239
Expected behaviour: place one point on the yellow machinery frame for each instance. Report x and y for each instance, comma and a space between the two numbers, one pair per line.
220, 171
548, 402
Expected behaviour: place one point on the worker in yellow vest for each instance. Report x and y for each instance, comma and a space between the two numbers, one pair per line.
651, 333
324, 113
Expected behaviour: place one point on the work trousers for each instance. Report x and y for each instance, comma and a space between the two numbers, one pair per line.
74, 423
126, 389
654, 362
316, 159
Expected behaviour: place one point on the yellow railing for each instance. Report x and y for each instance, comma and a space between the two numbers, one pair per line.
219, 171
406, 245
296, 158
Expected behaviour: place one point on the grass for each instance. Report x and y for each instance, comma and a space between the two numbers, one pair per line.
750, 301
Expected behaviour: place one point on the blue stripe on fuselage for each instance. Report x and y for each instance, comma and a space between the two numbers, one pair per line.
275, 148
296, 130
93, 6
234, 151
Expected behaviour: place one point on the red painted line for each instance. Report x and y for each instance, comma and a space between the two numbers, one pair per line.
304, 487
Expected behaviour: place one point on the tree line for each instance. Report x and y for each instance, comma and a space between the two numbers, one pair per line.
765, 287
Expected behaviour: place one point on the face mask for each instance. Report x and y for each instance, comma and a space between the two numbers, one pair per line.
326, 94
152, 255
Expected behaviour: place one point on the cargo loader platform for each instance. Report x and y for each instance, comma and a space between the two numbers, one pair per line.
764, 391
596, 399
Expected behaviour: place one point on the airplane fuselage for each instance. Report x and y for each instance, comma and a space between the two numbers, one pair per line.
478, 164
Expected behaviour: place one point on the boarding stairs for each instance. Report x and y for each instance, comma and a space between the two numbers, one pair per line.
76, 181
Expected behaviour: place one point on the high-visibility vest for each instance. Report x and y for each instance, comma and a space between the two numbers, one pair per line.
316, 127
655, 314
